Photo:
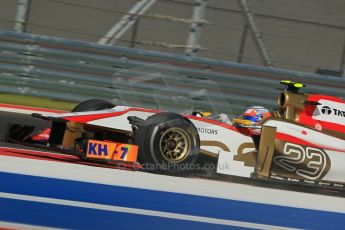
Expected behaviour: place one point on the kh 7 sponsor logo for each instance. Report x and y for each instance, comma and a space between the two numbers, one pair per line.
111, 151
326, 110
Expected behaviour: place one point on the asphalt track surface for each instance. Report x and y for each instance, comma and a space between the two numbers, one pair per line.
163, 202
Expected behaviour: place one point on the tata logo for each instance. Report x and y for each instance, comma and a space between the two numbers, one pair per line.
326, 110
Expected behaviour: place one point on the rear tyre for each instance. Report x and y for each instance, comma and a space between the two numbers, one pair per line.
168, 143
93, 105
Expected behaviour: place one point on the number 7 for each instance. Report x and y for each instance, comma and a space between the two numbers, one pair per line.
124, 152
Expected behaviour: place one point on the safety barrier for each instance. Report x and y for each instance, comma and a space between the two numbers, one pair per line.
74, 70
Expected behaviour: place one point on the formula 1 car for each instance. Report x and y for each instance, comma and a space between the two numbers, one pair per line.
302, 142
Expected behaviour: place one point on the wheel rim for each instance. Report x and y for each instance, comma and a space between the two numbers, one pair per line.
174, 145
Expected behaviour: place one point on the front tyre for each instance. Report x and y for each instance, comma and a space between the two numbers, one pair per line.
93, 105
168, 143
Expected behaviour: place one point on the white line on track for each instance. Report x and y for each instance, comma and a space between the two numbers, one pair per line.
193, 186
10, 225
137, 211
27, 109
32, 151
13, 110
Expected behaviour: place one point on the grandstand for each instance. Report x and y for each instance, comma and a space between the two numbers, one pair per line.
300, 35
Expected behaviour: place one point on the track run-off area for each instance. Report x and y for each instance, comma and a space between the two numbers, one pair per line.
42, 190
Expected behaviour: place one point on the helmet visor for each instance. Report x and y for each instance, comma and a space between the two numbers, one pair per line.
250, 118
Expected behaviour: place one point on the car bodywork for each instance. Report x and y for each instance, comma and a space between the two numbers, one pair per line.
306, 141
215, 137
303, 142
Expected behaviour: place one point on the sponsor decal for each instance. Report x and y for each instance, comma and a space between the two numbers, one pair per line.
111, 151
309, 181
326, 110
330, 111
208, 131
338, 185
318, 126
301, 162
293, 179
324, 184
277, 177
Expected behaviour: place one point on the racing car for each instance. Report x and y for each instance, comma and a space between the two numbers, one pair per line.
302, 142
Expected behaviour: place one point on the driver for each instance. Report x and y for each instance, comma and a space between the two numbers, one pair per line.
252, 118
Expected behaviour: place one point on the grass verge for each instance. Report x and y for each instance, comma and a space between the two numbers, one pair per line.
36, 102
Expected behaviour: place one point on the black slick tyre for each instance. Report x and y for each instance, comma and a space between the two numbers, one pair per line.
93, 105
168, 143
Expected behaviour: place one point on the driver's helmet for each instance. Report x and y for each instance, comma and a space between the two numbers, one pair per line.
252, 117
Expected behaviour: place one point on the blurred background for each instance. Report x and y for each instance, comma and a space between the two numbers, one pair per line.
303, 35
219, 55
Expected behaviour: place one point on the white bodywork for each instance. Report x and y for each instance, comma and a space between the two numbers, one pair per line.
214, 133
330, 111
323, 146
225, 142
232, 139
